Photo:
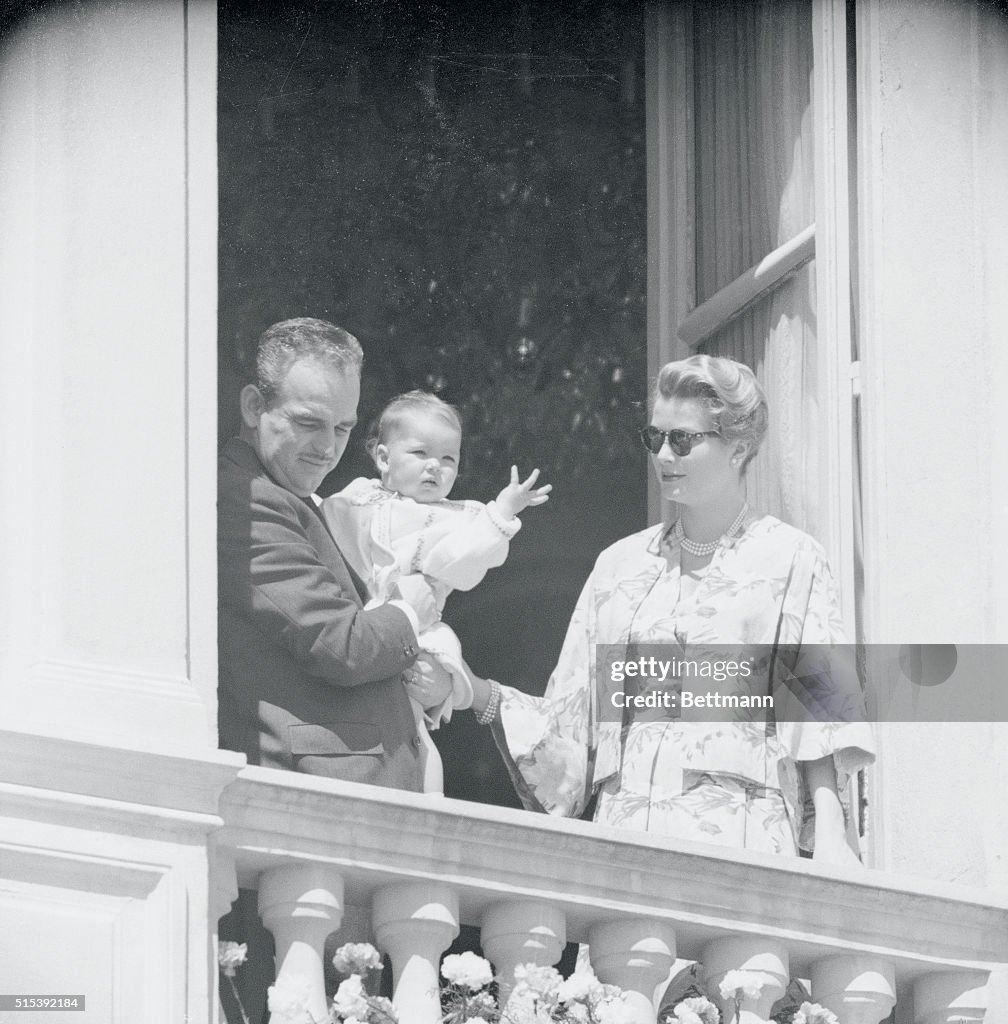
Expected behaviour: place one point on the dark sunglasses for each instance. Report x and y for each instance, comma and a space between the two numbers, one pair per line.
680, 441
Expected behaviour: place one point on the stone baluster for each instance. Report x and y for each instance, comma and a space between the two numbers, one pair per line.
523, 932
415, 922
223, 893
300, 904
950, 997
763, 963
636, 954
858, 989
223, 881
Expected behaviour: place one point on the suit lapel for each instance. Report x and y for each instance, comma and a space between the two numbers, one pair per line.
359, 585
243, 454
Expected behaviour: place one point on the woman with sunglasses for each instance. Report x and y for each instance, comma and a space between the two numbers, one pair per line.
721, 577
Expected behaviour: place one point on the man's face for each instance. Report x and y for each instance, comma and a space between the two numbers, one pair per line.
302, 435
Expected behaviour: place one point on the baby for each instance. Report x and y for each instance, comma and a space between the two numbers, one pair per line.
404, 524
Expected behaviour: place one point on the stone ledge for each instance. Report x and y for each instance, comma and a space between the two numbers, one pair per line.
377, 836
183, 779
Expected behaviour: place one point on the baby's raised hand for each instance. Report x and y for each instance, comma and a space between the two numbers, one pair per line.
519, 494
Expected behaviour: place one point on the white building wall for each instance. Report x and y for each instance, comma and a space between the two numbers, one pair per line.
107, 616
932, 132
109, 773
933, 325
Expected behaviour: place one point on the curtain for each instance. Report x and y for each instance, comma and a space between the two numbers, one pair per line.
754, 191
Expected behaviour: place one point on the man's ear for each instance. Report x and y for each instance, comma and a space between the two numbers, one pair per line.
381, 457
252, 406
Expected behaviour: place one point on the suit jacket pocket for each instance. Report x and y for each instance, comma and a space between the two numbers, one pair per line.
351, 751
337, 739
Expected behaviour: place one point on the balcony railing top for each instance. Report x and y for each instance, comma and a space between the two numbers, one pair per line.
416, 867
489, 854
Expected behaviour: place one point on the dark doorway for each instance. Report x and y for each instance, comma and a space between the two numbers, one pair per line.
462, 186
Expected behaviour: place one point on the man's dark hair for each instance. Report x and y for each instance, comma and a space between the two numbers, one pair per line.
305, 337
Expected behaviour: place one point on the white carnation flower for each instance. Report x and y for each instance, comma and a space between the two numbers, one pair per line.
481, 1003
526, 1007
350, 999
814, 1013
289, 999
579, 987
467, 970
231, 955
696, 1010
356, 958
617, 1011
750, 984
542, 981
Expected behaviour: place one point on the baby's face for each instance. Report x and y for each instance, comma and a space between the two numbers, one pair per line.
420, 458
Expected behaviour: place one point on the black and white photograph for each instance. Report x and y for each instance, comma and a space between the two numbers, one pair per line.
504, 512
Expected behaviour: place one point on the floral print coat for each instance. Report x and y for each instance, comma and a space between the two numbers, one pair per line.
768, 590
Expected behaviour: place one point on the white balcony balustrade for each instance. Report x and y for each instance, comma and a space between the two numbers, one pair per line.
949, 998
858, 989
518, 932
302, 904
415, 923
637, 954
865, 942
759, 962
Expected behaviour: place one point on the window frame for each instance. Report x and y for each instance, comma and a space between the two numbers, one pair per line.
671, 246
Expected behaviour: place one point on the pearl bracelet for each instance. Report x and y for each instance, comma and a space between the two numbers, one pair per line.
489, 713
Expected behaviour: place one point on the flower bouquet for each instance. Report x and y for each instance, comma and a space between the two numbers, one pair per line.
691, 1006
540, 996
470, 994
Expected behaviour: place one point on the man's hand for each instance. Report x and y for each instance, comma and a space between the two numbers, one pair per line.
519, 495
427, 682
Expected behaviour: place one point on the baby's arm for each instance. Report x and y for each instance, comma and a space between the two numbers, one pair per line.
518, 495
480, 537
351, 516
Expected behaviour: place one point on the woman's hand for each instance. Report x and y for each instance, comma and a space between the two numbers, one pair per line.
481, 692
835, 851
831, 846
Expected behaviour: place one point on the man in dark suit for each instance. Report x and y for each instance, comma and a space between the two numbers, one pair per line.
309, 680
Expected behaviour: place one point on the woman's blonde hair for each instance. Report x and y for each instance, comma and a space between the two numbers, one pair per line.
729, 390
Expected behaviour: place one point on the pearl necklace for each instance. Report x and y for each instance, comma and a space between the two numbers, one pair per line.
701, 550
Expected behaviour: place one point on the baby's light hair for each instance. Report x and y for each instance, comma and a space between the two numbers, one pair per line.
402, 405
